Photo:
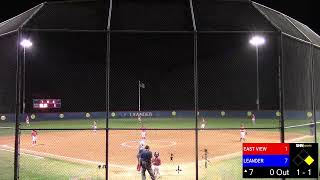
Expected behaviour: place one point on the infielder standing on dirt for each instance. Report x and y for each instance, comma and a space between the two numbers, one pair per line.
242, 133
34, 134
156, 162
145, 161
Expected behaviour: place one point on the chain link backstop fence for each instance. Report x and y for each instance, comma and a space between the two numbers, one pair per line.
179, 76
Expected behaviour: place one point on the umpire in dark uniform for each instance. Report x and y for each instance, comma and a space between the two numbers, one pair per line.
145, 161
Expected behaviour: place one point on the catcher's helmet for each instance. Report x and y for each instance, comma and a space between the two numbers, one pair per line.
156, 154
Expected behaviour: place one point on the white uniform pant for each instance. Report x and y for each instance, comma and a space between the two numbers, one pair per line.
243, 135
156, 170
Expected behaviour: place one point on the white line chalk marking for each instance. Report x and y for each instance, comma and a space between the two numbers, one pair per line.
37, 157
48, 155
300, 125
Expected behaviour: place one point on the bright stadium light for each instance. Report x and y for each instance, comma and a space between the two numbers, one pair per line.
257, 40
26, 43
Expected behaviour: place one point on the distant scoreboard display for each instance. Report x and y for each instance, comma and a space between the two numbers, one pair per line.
280, 160
46, 103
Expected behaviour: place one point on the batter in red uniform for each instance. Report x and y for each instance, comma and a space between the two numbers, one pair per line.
34, 134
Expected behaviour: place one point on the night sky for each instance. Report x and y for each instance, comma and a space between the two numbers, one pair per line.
304, 11
75, 69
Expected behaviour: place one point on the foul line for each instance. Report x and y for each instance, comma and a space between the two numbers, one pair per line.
300, 125
49, 155
6, 127
8, 150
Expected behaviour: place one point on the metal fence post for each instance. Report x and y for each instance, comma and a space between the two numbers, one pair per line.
17, 109
281, 89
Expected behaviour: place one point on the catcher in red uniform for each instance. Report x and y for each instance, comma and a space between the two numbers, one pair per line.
156, 162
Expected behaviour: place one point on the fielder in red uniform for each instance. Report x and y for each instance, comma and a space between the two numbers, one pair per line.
242, 133
34, 134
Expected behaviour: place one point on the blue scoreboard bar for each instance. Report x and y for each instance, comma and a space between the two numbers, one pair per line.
265, 160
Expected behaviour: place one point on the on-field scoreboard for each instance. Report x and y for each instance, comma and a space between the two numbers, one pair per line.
46, 103
280, 160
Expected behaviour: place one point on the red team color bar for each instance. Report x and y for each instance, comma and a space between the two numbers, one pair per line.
266, 149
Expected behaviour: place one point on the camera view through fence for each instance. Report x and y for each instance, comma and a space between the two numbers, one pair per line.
84, 97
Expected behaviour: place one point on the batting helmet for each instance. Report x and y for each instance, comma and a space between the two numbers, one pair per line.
142, 144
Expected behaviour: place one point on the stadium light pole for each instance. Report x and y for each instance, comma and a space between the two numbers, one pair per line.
257, 41
25, 43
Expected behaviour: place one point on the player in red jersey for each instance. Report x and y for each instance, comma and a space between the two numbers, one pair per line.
34, 134
242, 133
27, 121
143, 135
156, 162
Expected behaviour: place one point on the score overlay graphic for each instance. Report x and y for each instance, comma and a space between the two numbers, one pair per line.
280, 160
